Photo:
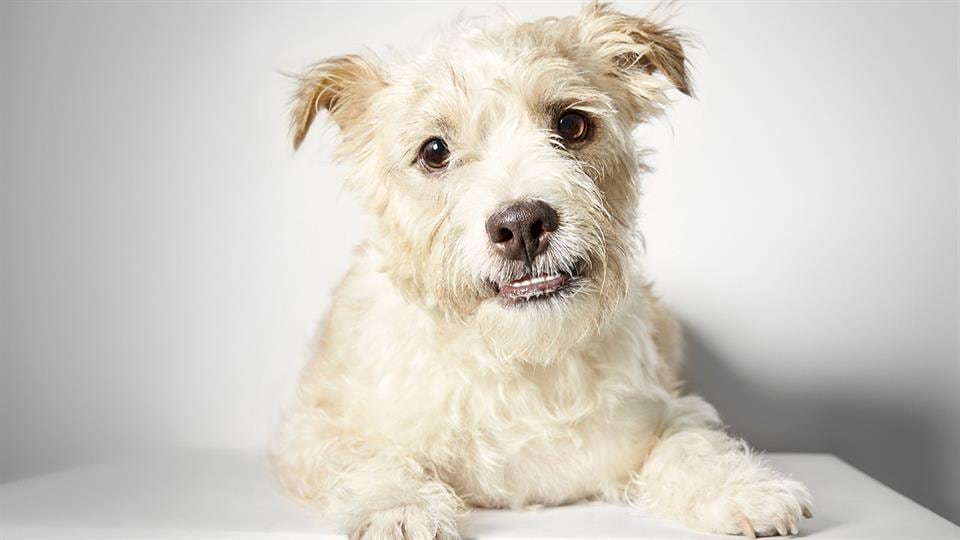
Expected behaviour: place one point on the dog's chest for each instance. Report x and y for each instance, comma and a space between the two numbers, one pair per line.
558, 432
548, 441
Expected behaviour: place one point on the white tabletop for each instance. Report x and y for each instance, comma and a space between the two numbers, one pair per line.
228, 494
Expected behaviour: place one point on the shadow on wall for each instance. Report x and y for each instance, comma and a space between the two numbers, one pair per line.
896, 443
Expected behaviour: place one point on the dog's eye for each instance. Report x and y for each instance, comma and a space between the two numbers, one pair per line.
434, 154
573, 126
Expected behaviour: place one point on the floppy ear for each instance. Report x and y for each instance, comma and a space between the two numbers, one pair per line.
341, 85
634, 45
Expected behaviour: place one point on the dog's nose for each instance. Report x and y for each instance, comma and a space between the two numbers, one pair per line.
521, 231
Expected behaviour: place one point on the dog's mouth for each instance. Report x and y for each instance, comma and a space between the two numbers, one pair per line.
528, 289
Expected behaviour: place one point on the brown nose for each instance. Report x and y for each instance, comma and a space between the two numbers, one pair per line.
521, 231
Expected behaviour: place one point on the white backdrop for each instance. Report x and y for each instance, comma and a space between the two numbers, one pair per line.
166, 256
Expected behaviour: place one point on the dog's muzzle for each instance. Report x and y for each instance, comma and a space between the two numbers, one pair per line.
521, 232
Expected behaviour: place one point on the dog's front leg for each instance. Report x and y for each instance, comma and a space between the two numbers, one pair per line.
374, 492
700, 475
389, 497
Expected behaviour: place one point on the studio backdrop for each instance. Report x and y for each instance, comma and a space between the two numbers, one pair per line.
166, 255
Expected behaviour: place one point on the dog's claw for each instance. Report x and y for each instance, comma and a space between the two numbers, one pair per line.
794, 527
746, 528
781, 527
806, 512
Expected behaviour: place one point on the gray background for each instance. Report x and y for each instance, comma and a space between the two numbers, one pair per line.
165, 255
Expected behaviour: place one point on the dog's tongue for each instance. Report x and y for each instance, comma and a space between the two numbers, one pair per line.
528, 287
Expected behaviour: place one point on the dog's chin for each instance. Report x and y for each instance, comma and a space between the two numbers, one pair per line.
536, 317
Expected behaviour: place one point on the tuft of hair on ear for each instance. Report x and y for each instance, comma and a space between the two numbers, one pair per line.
341, 85
632, 43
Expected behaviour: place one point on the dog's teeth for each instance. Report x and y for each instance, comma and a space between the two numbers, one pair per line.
533, 280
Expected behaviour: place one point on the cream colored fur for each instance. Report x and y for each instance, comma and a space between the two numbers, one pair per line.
426, 396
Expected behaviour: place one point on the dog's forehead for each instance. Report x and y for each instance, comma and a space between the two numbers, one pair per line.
481, 57
483, 74
491, 45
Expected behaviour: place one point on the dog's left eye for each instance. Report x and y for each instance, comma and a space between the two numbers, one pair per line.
434, 154
573, 126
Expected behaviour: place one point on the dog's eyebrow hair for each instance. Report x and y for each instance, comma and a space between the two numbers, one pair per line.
597, 109
491, 88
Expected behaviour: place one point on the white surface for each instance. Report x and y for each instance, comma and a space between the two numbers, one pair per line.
228, 494
165, 256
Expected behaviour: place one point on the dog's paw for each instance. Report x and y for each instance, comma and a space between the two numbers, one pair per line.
403, 523
767, 506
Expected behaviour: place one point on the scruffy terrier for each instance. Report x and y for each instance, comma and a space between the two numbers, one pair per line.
496, 343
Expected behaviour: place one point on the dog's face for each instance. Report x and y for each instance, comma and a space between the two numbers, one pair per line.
500, 166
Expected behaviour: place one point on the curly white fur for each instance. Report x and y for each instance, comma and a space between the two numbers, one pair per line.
426, 395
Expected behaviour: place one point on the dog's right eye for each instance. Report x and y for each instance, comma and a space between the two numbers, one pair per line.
434, 154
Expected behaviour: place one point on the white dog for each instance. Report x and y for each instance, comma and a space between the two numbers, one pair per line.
496, 343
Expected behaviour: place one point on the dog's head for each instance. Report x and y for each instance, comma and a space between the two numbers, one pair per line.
500, 166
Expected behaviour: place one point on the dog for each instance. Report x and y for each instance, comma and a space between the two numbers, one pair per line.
495, 343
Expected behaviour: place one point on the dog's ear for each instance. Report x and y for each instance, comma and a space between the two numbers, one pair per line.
631, 45
341, 85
